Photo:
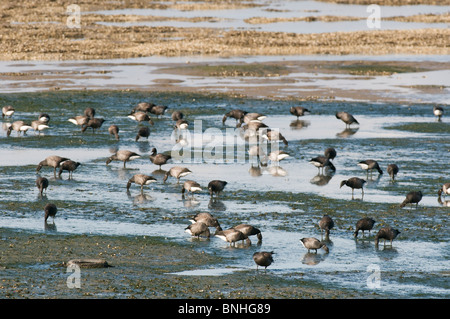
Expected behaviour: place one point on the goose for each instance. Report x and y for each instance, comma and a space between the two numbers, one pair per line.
326, 224
216, 186
252, 117
177, 172
298, 111
181, 124
208, 219
177, 115
159, 158
237, 114
42, 184
141, 117
94, 123
445, 189
190, 187
386, 233
69, 166
230, 235
321, 162
354, 182
143, 107
114, 130
7, 111
330, 152
52, 161
19, 127
438, 111
263, 259
413, 197
89, 112
144, 132
249, 230
272, 135
363, 224
277, 156
257, 151
50, 210
392, 170
44, 118
39, 126
347, 118
79, 120
198, 229
158, 109
313, 243
140, 179
124, 156
370, 165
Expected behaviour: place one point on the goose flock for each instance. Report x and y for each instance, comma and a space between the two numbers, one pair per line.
252, 124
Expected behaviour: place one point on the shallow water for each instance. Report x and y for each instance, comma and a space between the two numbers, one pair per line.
284, 201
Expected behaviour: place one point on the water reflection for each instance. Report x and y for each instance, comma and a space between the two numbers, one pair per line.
347, 132
445, 203
255, 171
143, 147
216, 205
139, 199
299, 124
50, 227
276, 170
321, 179
189, 202
313, 259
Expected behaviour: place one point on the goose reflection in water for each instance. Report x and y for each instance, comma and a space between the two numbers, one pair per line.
299, 124
255, 171
189, 202
445, 203
322, 179
276, 170
50, 227
312, 258
141, 198
216, 205
347, 132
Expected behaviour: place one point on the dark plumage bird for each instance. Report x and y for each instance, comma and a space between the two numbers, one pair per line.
114, 130
370, 165
79, 120
277, 156
413, 197
198, 229
143, 107
177, 115
386, 233
52, 161
298, 111
216, 186
263, 259
42, 184
181, 124
326, 224
445, 189
249, 230
354, 182
19, 127
94, 123
124, 156
39, 126
144, 132
347, 118
392, 170
7, 111
190, 187
313, 243
208, 219
177, 172
273, 135
237, 114
44, 118
141, 180
159, 158
89, 112
141, 117
363, 224
50, 210
330, 152
438, 111
252, 117
230, 235
158, 109
321, 162
69, 166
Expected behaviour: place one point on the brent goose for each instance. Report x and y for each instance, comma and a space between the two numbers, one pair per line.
159, 158
370, 165
50, 211
445, 189
363, 224
321, 162
19, 127
143, 131
386, 233
124, 156
94, 123
277, 156
330, 152
141, 117
39, 126
181, 124
438, 111
230, 235
347, 118
52, 161
7, 111
89, 112
272, 135
216, 186
69, 166
114, 130
237, 114
257, 151
413, 197
44, 118
207, 219
158, 109
354, 182
263, 259
177, 115
313, 243
143, 107
190, 187
326, 224
42, 184
298, 111
252, 117
140, 179
176, 172
392, 170
249, 230
79, 120
198, 229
